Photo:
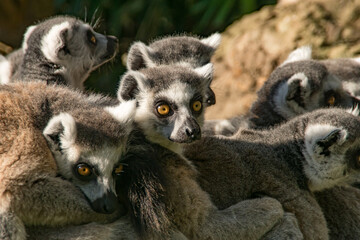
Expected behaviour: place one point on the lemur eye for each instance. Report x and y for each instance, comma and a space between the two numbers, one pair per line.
331, 101
119, 169
163, 109
197, 106
83, 170
93, 39
358, 159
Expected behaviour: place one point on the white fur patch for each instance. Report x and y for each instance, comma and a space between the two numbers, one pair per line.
352, 87
323, 171
354, 111
52, 41
205, 71
27, 34
144, 50
301, 53
5, 70
213, 40
224, 125
289, 109
356, 59
124, 112
67, 122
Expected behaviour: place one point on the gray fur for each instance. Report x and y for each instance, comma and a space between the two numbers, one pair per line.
178, 87
38, 184
273, 163
180, 50
299, 85
58, 50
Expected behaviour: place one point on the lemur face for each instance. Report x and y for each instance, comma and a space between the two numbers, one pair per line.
88, 153
175, 50
306, 85
170, 101
70, 44
332, 149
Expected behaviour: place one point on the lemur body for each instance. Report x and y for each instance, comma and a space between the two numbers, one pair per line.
170, 102
57, 157
312, 152
299, 85
61, 50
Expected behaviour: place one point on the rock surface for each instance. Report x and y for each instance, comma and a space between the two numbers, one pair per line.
254, 45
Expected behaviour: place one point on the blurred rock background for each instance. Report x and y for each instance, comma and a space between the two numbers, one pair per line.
256, 38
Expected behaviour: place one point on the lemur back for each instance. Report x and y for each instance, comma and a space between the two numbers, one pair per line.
312, 152
62, 50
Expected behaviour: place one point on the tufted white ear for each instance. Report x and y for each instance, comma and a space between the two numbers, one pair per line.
131, 84
205, 71
27, 34
320, 139
139, 57
60, 132
123, 112
301, 53
213, 40
55, 40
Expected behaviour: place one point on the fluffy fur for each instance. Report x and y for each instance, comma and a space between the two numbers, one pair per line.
61, 50
274, 163
45, 134
180, 50
297, 86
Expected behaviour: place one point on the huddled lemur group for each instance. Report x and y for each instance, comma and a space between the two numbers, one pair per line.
146, 165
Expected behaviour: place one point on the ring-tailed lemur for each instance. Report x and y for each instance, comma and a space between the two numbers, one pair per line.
170, 103
54, 142
61, 49
300, 84
176, 50
311, 152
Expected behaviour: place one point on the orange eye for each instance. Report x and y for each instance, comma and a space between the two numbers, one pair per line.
196, 106
163, 109
119, 169
331, 101
84, 170
358, 159
93, 39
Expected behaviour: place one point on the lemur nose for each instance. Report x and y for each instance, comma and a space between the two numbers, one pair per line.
107, 204
193, 133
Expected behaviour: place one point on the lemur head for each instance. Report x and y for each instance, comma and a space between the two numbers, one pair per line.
180, 50
332, 148
88, 146
301, 85
170, 102
67, 46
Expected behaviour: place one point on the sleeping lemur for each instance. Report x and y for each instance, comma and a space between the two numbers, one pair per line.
59, 156
62, 50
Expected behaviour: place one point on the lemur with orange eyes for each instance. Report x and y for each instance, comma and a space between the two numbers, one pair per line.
59, 156
62, 50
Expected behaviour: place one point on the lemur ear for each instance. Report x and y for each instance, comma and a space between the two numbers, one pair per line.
131, 84
53, 44
213, 40
60, 132
299, 54
27, 34
206, 72
321, 139
139, 57
298, 88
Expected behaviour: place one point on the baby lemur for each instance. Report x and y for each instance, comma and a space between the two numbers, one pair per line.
59, 155
62, 50
311, 152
